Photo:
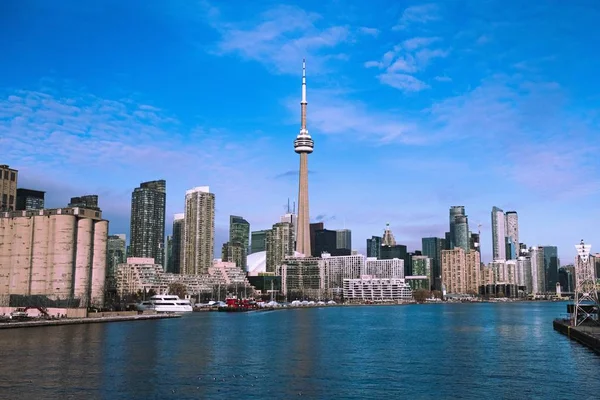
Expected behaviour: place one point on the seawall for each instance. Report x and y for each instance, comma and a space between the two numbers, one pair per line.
588, 336
90, 320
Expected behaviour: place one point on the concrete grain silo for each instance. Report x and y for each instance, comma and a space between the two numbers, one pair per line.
83, 261
20, 260
39, 256
6, 225
99, 262
60, 281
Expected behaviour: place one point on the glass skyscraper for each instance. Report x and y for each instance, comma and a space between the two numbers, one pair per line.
147, 236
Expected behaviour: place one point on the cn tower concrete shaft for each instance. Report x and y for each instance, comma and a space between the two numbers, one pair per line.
303, 234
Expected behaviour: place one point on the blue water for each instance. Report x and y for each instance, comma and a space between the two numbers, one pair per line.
428, 351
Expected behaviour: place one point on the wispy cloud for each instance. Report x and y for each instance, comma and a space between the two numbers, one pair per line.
369, 31
403, 61
291, 174
281, 37
419, 14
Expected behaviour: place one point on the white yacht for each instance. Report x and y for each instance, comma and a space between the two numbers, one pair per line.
166, 304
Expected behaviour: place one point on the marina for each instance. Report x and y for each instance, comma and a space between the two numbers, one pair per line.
89, 320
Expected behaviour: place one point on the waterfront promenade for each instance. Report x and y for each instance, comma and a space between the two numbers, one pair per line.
88, 320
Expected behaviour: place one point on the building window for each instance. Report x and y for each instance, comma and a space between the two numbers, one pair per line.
13, 176
6, 175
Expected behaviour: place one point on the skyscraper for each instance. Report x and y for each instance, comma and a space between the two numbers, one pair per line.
177, 250
512, 231
313, 228
147, 235
461, 233
551, 266
455, 211
8, 188
258, 241
498, 234
374, 247
279, 245
344, 239
115, 253
388, 237
303, 145
239, 231
28, 199
432, 248
199, 231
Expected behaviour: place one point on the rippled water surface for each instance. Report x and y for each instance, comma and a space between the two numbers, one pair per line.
428, 351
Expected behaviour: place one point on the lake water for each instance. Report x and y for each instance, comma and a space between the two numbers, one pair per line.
418, 351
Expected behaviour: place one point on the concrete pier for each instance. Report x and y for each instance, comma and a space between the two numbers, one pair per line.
90, 320
588, 336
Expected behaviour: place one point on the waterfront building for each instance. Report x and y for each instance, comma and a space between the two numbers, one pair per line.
461, 232
421, 266
199, 231
303, 145
147, 232
177, 249
314, 227
487, 276
389, 268
455, 212
53, 257
239, 241
566, 278
339, 268
279, 245
432, 248
510, 248
234, 252
266, 283
498, 234
461, 271
512, 232
8, 188
538, 273
367, 288
551, 266
302, 277
292, 218
168, 256
524, 274
344, 239
397, 251
88, 201
140, 274
258, 242
115, 254
374, 246
28, 199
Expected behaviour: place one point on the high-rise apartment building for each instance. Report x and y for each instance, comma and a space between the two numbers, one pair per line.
455, 211
551, 266
147, 233
259, 241
168, 256
344, 239
56, 257
432, 248
115, 253
538, 273
199, 231
8, 188
512, 232
461, 233
498, 234
236, 253
292, 219
177, 249
89, 201
461, 271
239, 232
28, 199
279, 245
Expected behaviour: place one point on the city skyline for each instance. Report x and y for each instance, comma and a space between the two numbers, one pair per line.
388, 96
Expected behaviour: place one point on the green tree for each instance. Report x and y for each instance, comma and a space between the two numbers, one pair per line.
420, 295
178, 289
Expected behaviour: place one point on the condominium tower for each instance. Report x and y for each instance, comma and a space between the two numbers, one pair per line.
199, 231
147, 236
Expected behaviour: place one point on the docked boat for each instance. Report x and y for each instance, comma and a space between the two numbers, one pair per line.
239, 305
166, 304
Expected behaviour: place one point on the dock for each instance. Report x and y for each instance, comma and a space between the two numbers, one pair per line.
588, 336
88, 320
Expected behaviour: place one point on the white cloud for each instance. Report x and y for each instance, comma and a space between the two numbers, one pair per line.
443, 78
282, 37
369, 31
404, 82
420, 14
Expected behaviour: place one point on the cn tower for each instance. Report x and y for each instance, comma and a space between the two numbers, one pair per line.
303, 145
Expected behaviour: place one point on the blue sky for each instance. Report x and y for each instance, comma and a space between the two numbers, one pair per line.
413, 107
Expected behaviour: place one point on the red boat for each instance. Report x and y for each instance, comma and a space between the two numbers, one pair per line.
239, 305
